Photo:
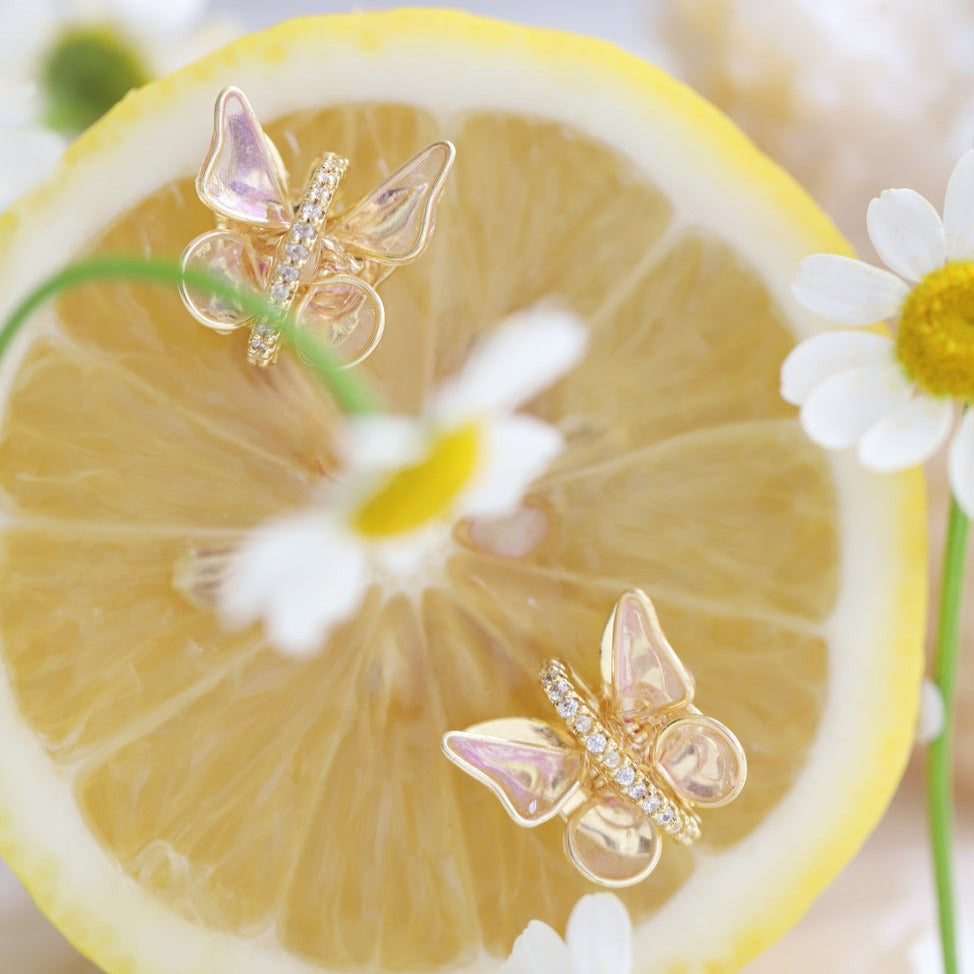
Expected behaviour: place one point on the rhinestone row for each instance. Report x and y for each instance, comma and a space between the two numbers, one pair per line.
614, 758
295, 251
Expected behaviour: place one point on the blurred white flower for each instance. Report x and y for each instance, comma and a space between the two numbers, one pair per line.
84, 55
895, 398
598, 941
27, 150
405, 483
877, 93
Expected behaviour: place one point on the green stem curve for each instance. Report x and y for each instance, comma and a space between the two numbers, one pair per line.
940, 757
350, 393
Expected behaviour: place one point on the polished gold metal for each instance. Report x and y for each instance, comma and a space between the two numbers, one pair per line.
305, 253
621, 767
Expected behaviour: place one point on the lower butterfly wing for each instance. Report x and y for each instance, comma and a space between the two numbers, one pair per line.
229, 257
640, 670
702, 761
612, 842
394, 222
526, 763
345, 314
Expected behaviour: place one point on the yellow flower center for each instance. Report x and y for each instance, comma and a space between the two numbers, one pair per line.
935, 340
416, 495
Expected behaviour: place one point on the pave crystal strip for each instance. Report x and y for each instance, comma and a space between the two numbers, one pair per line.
297, 248
614, 757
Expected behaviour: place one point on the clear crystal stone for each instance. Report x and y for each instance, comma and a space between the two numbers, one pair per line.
582, 723
625, 776
557, 689
649, 805
288, 273
596, 743
279, 293
311, 211
296, 251
638, 791
325, 178
611, 759
568, 707
666, 816
304, 231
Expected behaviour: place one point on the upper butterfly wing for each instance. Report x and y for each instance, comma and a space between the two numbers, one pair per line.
528, 764
393, 223
701, 760
243, 177
640, 670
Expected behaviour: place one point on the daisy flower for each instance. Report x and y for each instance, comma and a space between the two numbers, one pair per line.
405, 483
894, 398
85, 55
27, 151
598, 941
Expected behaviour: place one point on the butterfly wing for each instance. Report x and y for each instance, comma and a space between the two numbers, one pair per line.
640, 670
243, 177
393, 223
612, 842
528, 764
344, 313
701, 760
229, 256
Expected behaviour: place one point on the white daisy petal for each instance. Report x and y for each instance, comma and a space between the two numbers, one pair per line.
518, 449
844, 406
930, 722
910, 434
959, 210
301, 575
381, 442
524, 355
600, 935
820, 356
539, 950
907, 232
146, 18
960, 463
846, 290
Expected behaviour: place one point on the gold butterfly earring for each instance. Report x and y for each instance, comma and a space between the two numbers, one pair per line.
303, 254
623, 767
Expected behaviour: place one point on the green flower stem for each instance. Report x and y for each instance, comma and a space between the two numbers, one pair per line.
940, 759
348, 390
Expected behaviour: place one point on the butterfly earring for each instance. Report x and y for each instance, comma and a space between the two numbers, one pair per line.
305, 256
622, 768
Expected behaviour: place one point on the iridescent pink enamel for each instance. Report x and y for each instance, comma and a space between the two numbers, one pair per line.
322, 266
695, 755
623, 767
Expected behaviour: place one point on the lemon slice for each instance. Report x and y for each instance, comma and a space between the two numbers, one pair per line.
180, 799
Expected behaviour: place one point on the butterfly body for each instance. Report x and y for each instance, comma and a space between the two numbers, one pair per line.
306, 256
621, 767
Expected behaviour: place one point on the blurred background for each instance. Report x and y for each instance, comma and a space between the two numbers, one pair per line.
850, 96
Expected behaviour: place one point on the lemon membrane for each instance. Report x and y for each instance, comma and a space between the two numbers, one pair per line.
182, 799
